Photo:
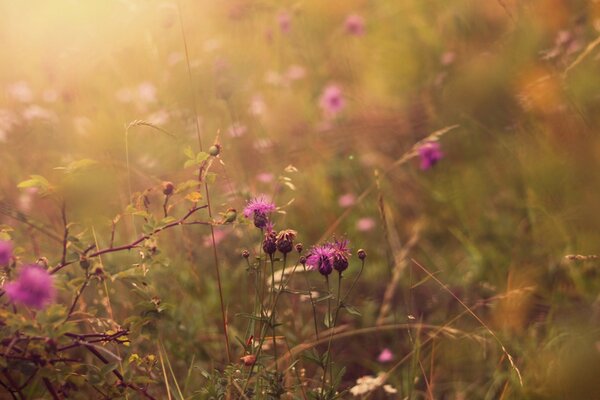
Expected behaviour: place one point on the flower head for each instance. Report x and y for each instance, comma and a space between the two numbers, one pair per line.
34, 287
340, 255
321, 258
430, 154
259, 208
269, 244
355, 25
386, 355
285, 240
332, 100
284, 19
5, 252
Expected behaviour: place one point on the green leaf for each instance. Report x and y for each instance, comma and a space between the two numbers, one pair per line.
352, 310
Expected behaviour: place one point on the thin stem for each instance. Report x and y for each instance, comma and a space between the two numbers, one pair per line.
312, 303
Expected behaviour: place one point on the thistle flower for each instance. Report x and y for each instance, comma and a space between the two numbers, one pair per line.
5, 252
355, 25
332, 101
340, 255
285, 240
321, 259
34, 287
259, 208
284, 20
430, 154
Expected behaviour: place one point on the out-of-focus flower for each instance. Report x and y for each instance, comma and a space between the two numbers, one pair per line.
355, 24
265, 177
236, 129
5, 252
34, 287
366, 384
20, 91
147, 92
34, 112
7, 121
321, 259
125, 95
430, 153
257, 105
365, 224
259, 209
347, 200
50, 96
332, 100
220, 234
284, 20
295, 72
385, 356
448, 58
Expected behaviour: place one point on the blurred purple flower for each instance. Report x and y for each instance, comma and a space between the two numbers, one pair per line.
34, 287
332, 100
265, 177
355, 25
430, 154
365, 224
321, 259
386, 355
284, 19
259, 208
236, 129
5, 252
347, 200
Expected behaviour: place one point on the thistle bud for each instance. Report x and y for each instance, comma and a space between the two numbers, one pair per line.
299, 247
168, 188
248, 360
362, 254
84, 262
302, 260
214, 150
245, 253
269, 243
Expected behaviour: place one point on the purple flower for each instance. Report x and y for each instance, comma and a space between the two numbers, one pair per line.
259, 208
34, 287
5, 252
332, 101
430, 154
355, 25
321, 259
386, 355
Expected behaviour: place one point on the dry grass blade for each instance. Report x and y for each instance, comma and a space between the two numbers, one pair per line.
506, 353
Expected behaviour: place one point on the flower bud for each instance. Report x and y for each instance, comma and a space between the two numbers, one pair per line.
84, 262
299, 247
285, 240
245, 253
168, 188
362, 254
248, 360
214, 150
269, 243
302, 260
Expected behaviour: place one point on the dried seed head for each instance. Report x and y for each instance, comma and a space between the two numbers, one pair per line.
270, 242
285, 240
168, 188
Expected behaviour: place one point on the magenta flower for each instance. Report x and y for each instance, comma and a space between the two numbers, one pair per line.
430, 154
259, 208
5, 252
347, 200
386, 355
284, 19
365, 224
355, 25
321, 259
34, 287
332, 101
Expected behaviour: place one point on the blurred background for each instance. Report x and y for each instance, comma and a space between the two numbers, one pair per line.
311, 101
